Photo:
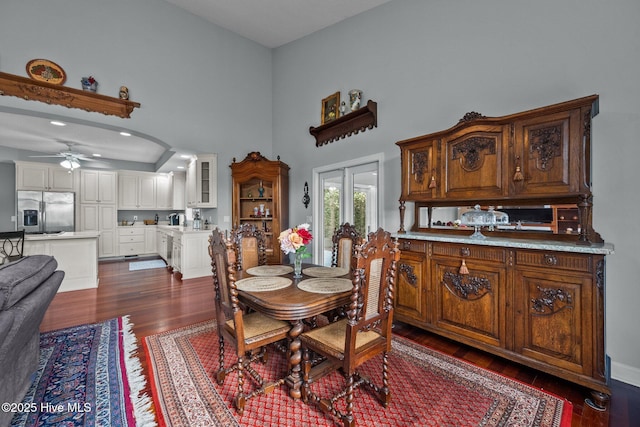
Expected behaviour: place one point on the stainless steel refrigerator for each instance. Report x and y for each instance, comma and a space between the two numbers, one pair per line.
46, 211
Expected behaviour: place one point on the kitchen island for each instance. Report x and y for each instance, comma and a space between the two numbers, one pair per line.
189, 253
76, 253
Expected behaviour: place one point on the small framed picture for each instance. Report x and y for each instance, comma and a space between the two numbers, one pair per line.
330, 106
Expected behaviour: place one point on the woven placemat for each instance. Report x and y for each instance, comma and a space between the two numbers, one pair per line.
269, 270
325, 271
325, 285
259, 284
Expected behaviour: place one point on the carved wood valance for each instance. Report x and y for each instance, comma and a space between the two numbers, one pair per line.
34, 90
352, 123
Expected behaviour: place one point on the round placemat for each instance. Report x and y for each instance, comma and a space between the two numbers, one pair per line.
325, 271
325, 285
259, 284
269, 270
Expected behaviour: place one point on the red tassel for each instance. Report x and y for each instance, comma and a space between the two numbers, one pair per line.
463, 268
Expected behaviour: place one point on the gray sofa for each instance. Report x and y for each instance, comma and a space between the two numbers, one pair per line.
27, 287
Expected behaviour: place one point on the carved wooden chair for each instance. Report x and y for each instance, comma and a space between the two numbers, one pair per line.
12, 245
345, 239
249, 243
364, 334
249, 334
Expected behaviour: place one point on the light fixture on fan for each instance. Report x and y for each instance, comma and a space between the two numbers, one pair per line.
70, 163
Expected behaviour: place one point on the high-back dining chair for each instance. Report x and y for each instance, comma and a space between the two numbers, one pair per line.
363, 334
249, 243
345, 239
248, 334
11, 245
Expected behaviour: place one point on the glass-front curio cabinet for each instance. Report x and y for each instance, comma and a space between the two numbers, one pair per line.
260, 196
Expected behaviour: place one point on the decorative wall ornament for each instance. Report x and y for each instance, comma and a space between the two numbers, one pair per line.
355, 99
330, 106
306, 199
471, 115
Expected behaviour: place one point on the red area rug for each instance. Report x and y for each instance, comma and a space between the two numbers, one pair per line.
428, 389
88, 376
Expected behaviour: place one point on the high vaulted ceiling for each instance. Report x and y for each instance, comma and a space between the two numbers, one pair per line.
271, 23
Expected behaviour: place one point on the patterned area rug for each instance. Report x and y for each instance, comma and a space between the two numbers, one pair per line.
146, 265
428, 389
88, 376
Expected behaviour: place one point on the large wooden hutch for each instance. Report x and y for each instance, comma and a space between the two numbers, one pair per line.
534, 297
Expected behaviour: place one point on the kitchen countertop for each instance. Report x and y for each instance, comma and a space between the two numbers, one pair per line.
176, 228
65, 235
548, 245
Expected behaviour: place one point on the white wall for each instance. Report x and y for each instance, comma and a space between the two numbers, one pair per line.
200, 87
427, 63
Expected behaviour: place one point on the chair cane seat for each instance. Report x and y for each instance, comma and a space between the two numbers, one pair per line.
331, 338
258, 327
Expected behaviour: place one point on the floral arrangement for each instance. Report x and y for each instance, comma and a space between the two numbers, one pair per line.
293, 240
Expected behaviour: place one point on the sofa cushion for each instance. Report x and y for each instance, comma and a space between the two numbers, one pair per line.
19, 278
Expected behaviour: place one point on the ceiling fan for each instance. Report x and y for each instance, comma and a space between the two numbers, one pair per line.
71, 158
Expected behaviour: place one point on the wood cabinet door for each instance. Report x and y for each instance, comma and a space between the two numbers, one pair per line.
473, 163
548, 151
411, 290
553, 318
470, 304
420, 179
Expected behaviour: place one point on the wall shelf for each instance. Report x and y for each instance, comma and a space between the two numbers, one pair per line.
33, 90
354, 122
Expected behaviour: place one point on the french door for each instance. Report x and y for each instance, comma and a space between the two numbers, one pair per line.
345, 192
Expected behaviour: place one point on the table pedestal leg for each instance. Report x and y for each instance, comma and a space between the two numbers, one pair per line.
294, 380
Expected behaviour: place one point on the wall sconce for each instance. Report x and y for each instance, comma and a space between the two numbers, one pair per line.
306, 199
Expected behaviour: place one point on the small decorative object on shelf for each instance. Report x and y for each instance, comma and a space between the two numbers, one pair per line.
306, 199
89, 83
261, 190
343, 108
330, 108
355, 99
46, 71
294, 241
124, 92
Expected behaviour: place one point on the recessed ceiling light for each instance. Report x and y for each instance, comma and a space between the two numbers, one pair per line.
57, 123
125, 133
185, 156
96, 155
180, 167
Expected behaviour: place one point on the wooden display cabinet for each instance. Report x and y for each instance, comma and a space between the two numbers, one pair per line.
261, 197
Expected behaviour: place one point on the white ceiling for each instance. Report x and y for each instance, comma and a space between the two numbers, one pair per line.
270, 23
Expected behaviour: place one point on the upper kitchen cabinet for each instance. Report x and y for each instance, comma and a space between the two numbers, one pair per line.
98, 186
44, 177
201, 179
178, 184
164, 191
136, 190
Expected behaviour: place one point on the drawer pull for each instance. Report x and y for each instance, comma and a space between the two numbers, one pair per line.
465, 251
550, 259
406, 245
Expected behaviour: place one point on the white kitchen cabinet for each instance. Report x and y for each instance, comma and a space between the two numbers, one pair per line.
176, 253
98, 186
164, 191
202, 190
150, 246
161, 244
136, 190
131, 241
178, 187
44, 177
101, 218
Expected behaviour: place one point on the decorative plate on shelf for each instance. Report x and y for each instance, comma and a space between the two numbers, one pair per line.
46, 71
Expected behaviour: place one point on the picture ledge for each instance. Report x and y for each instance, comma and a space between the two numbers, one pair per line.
352, 123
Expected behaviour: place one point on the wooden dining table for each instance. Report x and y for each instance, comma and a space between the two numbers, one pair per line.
294, 305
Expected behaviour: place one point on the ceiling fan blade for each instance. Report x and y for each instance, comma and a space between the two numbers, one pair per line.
51, 155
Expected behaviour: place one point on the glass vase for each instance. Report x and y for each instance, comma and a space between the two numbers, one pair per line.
297, 266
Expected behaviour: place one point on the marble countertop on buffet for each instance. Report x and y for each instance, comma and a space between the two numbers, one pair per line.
186, 230
548, 245
64, 235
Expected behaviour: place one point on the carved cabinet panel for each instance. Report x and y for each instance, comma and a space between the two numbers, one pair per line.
469, 297
473, 163
420, 170
547, 151
411, 295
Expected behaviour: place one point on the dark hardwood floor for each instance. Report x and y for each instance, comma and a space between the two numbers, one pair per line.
157, 301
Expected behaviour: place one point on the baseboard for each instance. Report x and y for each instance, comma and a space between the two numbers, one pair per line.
625, 373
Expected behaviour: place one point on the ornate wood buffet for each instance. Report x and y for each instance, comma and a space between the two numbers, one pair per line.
531, 297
